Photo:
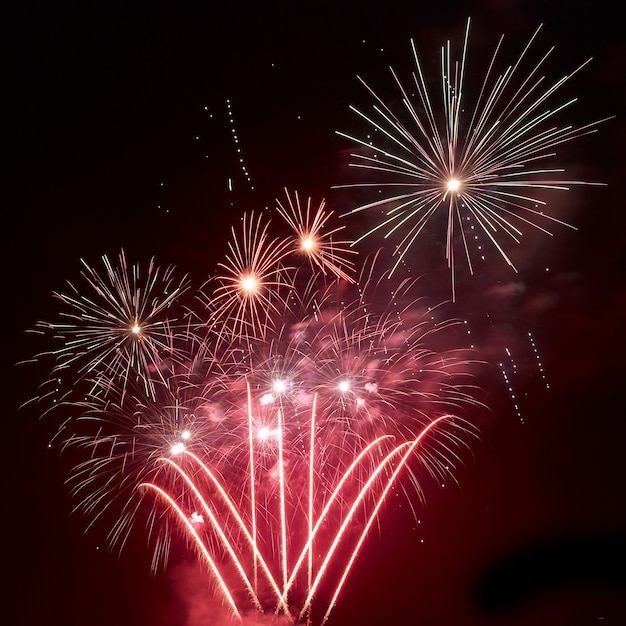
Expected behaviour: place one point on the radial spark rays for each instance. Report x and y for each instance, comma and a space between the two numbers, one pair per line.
251, 281
317, 244
485, 166
118, 324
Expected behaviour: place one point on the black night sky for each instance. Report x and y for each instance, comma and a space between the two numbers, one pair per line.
120, 136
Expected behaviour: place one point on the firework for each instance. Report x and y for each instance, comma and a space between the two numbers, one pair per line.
250, 282
118, 434
485, 166
289, 413
313, 241
119, 324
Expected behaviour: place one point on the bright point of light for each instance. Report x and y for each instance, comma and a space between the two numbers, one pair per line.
249, 284
308, 243
185, 434
344, 386
136, 329
280, 386
453, 184
264, 432
178, 448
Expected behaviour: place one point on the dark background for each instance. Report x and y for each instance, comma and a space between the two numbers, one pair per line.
117, 135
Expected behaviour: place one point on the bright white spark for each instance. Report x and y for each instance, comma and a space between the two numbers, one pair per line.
264, 432
249, 284
178, 448
280, 386
454, 184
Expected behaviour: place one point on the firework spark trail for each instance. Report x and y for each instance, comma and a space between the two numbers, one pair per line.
252, 481
232, 508
220, 530
281, 486
369, 487
481, 169
274, 417
411, 446
309, 548
199, 544
334, 496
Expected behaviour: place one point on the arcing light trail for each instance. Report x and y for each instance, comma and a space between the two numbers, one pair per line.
270, 422
486, 166
220, 508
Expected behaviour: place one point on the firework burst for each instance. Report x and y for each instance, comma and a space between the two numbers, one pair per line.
313, 241
119, 324
288, 413
250, 282
485, 166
